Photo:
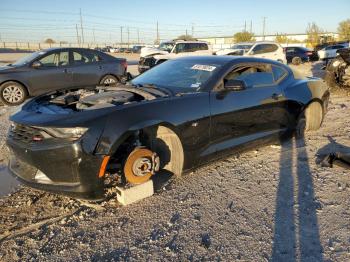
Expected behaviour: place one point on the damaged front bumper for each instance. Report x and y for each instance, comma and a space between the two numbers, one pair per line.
63, 168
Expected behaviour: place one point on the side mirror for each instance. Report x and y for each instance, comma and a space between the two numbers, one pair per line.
36, 64
234, 85
251, 53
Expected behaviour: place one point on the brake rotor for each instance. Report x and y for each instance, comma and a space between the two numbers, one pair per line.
141, 164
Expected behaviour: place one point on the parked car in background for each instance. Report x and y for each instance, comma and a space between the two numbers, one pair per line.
330, 52
338, 70
236, 49
122, 50
136, 49
298, 54
170, 119
151, 56
57, 68
113, 50
263, 49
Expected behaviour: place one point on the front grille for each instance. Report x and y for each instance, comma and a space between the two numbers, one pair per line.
147, 61
25, 134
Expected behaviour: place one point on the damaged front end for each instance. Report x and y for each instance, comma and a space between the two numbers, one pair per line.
338, 70
54, 138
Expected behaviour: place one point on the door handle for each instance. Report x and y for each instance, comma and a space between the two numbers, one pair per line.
276, 96
100, 67
65, 70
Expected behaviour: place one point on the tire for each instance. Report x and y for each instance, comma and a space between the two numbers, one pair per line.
330, 79
108, 80
12, 93
310, 120
296, 60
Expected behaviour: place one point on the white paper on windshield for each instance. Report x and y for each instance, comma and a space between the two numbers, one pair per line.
196, 85
203, 67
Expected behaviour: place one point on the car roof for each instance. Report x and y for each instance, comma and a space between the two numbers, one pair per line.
184, 41
64, 48
227, 59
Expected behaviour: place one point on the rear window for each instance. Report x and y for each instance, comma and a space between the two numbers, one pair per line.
265, 48
278, 73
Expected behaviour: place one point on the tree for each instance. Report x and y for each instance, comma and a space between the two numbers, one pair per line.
313, 34
49, 41
186, 38
282, 39
243, 37
344, 30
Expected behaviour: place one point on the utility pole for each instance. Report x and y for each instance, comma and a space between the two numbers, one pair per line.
251, 26
93, 34
192, 30
128, 37
264, 27
186, 33
138, 35
245, 25
81, 27
157, 34
78, 41
121, 36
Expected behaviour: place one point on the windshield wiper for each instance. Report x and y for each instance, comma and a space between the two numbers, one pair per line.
163, 91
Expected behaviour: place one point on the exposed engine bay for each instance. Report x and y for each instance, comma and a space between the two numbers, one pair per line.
338, 70
90, 98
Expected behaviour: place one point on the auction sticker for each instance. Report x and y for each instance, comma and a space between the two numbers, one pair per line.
204, 67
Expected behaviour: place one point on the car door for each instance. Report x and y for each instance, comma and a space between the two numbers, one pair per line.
87, 68
290, 53
257, 112
53, 73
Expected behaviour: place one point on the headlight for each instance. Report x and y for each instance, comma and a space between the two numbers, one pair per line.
73, 133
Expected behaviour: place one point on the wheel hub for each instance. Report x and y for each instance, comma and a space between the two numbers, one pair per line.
109, 81
12, 94
141, 164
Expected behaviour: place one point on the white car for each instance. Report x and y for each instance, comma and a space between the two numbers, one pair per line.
329, 52
264, 49
151, 56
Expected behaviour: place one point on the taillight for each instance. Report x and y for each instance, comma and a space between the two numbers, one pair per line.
125, 64
284, 50
309, 53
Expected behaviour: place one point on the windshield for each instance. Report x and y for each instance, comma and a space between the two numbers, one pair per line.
242, 46
27, 59
166, 46
178, 75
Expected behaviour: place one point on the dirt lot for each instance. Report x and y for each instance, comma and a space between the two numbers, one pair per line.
272, 204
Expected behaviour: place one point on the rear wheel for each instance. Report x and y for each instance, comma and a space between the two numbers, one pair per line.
310, 120
296, 60
109, 80
12, 93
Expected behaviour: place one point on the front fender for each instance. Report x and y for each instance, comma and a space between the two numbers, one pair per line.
108, 147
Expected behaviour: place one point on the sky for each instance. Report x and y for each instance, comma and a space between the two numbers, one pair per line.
107, 21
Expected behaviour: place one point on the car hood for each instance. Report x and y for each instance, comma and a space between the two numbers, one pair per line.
81, 106
9, 69
148, 51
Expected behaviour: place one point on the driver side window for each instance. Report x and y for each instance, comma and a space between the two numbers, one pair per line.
55, 59
252, 75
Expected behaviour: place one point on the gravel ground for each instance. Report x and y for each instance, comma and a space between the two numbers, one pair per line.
272, 204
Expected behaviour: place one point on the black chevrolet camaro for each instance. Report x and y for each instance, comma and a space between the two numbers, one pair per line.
57, 68
172, 118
